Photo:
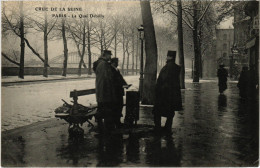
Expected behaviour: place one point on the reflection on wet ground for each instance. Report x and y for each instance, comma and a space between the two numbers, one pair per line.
213, 130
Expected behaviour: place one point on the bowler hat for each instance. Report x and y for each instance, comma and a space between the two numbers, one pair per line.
171, 53
107, 52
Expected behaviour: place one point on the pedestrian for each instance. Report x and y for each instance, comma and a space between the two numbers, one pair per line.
222, 78
105, 91
167, 94
243, 83
119, 84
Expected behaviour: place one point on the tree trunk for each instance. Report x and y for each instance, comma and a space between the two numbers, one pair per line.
21, 68
150, 71
123, 62
89, 52
45, 34
83, 48
101, 41
65, 62
115, 42
137, 54
133, 54
196, 44
200, 54
127, 61
180, 45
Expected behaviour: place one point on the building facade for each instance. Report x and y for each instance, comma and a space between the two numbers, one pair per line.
224, 42
251, 9
246, 40
241, 24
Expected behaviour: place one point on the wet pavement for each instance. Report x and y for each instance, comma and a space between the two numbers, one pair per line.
213, 130
27, 103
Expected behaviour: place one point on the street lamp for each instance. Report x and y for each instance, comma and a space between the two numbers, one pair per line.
141, 36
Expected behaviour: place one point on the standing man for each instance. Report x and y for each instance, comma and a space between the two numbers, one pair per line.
105, 91
119, 84
222, 78
168, 93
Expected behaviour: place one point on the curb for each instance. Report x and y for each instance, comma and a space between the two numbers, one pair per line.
44, 80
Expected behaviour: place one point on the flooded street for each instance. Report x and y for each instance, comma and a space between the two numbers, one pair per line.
29, 103
213, 130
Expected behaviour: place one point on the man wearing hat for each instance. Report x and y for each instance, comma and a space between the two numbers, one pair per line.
105, 91
119, 84
222, 78
168, 94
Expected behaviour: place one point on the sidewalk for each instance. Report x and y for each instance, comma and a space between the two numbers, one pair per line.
15, 79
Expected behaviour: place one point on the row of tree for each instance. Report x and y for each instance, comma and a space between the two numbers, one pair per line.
87, 34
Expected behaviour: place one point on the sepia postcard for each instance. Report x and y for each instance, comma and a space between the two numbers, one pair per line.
169, 83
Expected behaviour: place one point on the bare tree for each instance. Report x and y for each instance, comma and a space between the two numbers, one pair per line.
43, 24
65, 45
21, 69
15, 23
103, 35
137, 53
180, 45
78, 33
194, 12
116, 26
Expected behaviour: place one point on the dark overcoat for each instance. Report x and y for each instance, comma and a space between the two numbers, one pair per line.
222, 79
105, 91
168, 90
119, 82
243, 83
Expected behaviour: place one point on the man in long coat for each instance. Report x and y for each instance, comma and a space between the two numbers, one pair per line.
243, 83
105, 90
222, 78
119, 84
168, 93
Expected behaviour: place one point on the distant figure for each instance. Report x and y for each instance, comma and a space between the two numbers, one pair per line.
243, 83
168, 93
105, 91
119, 84
222, 78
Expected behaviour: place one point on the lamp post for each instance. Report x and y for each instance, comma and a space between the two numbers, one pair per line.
141, 36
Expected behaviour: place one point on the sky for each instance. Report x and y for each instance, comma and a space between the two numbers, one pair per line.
226, 23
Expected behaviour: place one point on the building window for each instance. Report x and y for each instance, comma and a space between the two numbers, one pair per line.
225, 37
225, 46
224, 55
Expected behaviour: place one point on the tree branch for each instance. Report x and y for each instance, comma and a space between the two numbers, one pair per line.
190, 26
52, 26
203, 14
12, 61
37, 54
27, 42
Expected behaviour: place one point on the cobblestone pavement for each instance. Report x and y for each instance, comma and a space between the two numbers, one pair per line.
213, 130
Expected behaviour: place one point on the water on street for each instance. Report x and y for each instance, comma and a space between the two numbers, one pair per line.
213, 130
29, 103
